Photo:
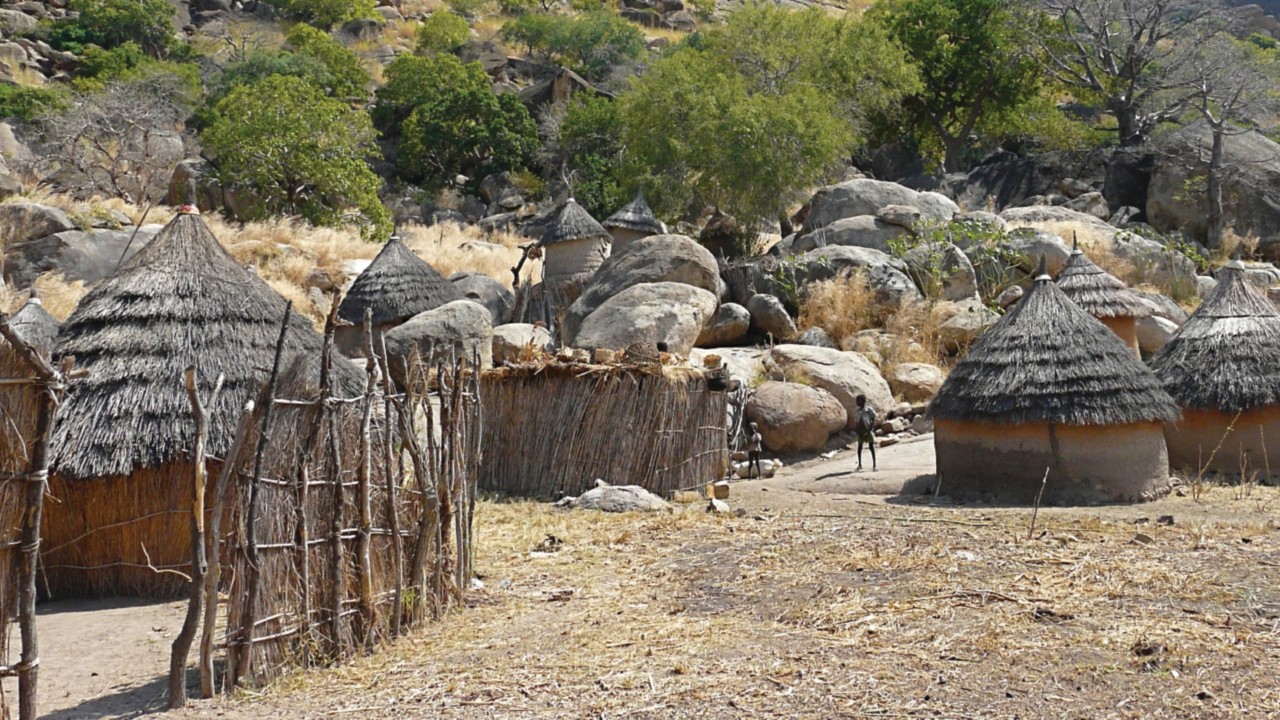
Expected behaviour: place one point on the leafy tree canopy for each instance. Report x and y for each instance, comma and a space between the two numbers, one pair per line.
591, 43
442, 32
324, 14
302, 152
111, 23
347, 77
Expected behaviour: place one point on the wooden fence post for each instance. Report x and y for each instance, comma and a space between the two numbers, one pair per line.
364, 547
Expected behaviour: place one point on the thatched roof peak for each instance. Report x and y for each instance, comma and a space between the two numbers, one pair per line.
1047, 361
35, 325
397, 285
1227, 355
572, 222
1098, 292
180, 301
636, 216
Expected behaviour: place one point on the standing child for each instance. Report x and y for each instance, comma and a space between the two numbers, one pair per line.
754, 441
864, 424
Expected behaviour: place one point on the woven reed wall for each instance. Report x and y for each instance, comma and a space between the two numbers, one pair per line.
553, 430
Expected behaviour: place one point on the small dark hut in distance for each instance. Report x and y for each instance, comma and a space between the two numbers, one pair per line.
552, 429
632, 222
35, 325
1051, 388
1223, 369
397, 285
120, 486
1103, 296
573, 246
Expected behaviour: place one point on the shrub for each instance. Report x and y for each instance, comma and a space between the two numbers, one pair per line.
346, 77
111, 23
590, 43
324, 14
302, 152
29, 103
442, 32
587, 149
128, 63
466, 8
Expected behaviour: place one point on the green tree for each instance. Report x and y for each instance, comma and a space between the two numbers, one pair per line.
971, 67
127, 63
110, 23
347, 77
591, 43
324, 14
302, 152
29, 103
457, 125
585, 148
744, 116
442, 32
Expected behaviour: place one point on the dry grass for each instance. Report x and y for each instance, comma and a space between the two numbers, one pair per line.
842, 307
825, 608
58, 296
289, 253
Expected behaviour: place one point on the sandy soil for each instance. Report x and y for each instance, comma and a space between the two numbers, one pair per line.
833, 593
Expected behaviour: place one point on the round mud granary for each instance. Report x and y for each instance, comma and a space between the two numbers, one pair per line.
574, 245
1051, 389
633, 221
396, 286
1223, 369
1104, 296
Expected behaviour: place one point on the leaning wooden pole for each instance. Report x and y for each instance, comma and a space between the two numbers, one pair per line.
337, 554
244, 653
54, 386
392, 480
199, 560
364, 548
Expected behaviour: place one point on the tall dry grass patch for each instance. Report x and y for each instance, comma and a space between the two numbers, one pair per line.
58, 295
841, 307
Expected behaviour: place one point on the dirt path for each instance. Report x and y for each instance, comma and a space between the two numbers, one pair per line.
103, 658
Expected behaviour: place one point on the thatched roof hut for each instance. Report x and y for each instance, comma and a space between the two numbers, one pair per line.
573, 245
633, 221
35, 325
396, 286
1223, 369
121, 466
553, 429
1103, 296
1051, 388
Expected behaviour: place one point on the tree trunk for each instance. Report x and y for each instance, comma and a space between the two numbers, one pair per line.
953, 148
1127, 125
1217, 219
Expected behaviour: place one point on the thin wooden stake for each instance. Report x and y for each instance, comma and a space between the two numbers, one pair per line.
1036, 510
199, 560
244, 656
365, 491
392, 481
336, 563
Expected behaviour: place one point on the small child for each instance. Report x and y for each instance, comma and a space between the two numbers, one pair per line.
754, 441
864, 425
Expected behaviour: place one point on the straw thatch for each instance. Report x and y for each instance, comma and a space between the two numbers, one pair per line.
635, 216
1226, 357
572, 222
397, 285
181, 301
1048, 361
554, 429
1098, 292
36, 325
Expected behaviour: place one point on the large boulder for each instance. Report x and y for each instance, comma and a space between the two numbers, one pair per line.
1163, 306
770, 317
78, 255
916, 382
22, 220
1153, 332
1042, 214
513, 339
1030, 244
845, 375
944, 268
965, 322
795, 418
650, 313
615, 498
1251, 190
860, 231
728, 326
1153, 262
657, 259
460, 326
866, 197
490, 293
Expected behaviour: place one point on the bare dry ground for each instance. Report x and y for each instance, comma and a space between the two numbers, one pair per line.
819, 605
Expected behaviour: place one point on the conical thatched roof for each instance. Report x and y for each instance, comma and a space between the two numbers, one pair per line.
636, 216
1097, 291
1227, 355
572, 222
181, 301
397, 285
35, 325
1048, 361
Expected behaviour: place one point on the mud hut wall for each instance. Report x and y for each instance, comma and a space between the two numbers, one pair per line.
108, 536
1126, 329
1118, 463
349, 339
564, 260
1226, 443
555, 432
622, 237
